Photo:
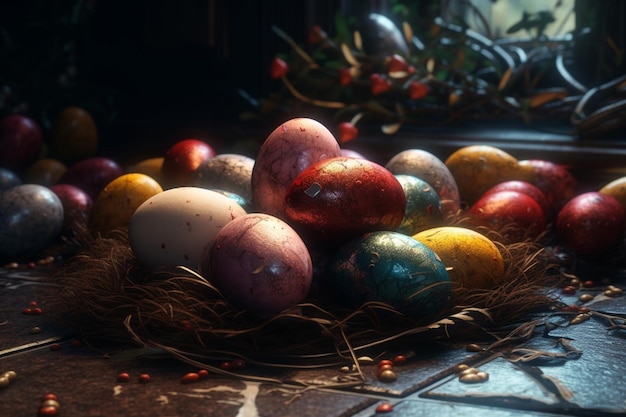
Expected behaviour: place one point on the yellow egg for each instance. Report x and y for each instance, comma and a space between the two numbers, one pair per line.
473, 260
117, 202
74, 135
617, 189
476, 168
44, 171
150, 167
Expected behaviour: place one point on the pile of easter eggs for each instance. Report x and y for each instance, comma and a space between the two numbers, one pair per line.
303, 214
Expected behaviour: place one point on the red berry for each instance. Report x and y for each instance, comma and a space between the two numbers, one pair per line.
345, 78
347, 132
399, 360
27, 311
144, 378
203, 373
589, 284
385, 362
48, 411
49, 396
278, 68
569, 290
55, 346
396, 63
316, 35
379, 84
417, 90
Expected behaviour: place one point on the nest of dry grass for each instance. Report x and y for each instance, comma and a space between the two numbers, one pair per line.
106, 295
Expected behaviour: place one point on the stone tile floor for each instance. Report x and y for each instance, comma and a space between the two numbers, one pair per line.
581, 371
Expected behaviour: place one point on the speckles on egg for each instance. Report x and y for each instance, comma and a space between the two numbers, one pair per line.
176, 226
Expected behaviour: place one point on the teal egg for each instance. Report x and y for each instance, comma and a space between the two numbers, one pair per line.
392, 268
423, 206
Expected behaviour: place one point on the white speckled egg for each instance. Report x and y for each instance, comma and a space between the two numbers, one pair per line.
176, 226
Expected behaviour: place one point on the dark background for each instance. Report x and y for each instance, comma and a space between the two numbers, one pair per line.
153, 72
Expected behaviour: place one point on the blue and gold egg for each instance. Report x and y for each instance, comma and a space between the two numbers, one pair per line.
391, 268
423, 206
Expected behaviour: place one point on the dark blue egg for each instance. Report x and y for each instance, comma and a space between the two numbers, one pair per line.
31, 217
391, 268
8, 179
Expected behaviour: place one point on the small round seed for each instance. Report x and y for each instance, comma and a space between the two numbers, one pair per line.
50, 403
589, 283
384, 408
203, 373
617, 291
35, 330
399, 360
347, 369
469, 371
11, 375
484, 376
470, 379
365, 360
473, 347
574, 282
189, 378
144, 378
462, 367
387, 376
123, 377
4, 381
585, 298
48, 411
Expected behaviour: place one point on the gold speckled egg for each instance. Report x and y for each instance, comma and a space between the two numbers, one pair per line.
117, 202
44, 171
476, 168
617, 189
472, 260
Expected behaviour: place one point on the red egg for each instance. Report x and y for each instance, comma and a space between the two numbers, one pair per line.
76, 207
288, 150
556, 182
523, 187
20, 142
342, 197
92, 174
513, 214
591, 223
181, 161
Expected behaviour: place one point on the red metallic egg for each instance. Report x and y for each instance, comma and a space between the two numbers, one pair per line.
76, 207
556, 182
342, 197
92, 174
515, 215
591, 223
181, 161
523, 187
20, 142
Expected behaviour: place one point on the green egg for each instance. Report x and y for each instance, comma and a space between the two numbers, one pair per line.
392, 268
423, 205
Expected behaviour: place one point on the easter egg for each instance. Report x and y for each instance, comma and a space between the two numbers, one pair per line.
261, 264
514, 215
617, 189
149, 166
74, 135
181, 161
428, 167
31, 217
472, 260
76, 208
391, 268
339, 198
44, 171
176, 226
525, 188
590, 223
556, 182
286, 152
92, 174
119, 199
8, 179
423, 206
476, 168
20, 141
228, 172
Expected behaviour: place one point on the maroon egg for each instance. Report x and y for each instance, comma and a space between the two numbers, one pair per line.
286, 152
260, 264
591, 223
342, 197
92, 174
523, 187
181, 161
76, 207
515, 215
556, 182
20, 142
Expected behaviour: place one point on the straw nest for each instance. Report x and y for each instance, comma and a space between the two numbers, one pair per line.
107, 296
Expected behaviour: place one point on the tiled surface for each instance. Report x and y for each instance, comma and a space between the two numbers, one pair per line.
590, 381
